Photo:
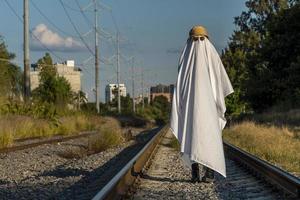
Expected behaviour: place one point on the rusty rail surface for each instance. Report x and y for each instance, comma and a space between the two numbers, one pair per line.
281, 179
125, 178
48, 141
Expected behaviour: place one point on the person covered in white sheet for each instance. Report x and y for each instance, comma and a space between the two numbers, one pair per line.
198, 106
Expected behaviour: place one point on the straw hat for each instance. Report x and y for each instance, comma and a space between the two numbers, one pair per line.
198, 31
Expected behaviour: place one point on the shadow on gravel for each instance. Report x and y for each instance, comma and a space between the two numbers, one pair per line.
61, 172
161, 179
93, 181
75, 145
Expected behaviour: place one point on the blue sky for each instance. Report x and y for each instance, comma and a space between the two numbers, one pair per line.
153, 31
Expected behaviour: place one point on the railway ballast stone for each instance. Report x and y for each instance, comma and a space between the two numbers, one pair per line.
169, 178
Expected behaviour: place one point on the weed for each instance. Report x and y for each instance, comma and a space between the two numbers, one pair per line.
174, 143
75, 152
6, 139
109, 135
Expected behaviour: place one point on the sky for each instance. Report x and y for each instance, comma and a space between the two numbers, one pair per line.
152, 31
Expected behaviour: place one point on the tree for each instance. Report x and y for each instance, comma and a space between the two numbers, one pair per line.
281, 51
158, 110
10, 75
52, 89
46, 60
249, 57
126, 103
79, 98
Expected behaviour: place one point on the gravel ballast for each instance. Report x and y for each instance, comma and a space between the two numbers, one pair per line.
169, 178
42, 173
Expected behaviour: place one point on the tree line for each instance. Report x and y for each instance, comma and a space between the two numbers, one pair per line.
54, 96
262, 60
263, 57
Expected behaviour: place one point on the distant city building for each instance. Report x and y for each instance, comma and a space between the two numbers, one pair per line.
109, 94
66, 69
162, 90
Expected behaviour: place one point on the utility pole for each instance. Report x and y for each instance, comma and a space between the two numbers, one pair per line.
96, 58
26, 52
133, 95
118, 73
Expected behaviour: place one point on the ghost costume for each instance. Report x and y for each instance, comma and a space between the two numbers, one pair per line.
198, 105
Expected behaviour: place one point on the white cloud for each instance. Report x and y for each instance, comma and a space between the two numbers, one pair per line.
43, 37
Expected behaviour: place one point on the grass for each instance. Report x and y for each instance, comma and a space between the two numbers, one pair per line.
109, 135
72, 124
289, 118
14, 127
74, 152
18, 127
277, 145
174, 143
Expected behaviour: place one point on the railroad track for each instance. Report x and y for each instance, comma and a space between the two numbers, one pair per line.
278, 178
41, 141
43, 172
261, 179
118, 187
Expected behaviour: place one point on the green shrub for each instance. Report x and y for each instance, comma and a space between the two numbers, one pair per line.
174, 143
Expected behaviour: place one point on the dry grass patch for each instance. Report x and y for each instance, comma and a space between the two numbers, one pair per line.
280, 146
110, 135
19, 127
74, 124
74, 152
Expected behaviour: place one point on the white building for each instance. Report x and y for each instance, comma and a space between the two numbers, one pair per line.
109, 95
66, 69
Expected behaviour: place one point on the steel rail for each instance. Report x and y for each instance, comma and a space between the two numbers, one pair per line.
274, 175
118, 186
47, 141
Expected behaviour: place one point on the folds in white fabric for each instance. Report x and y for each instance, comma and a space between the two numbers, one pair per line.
198, 105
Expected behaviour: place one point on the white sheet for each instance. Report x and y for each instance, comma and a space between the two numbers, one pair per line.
198, 106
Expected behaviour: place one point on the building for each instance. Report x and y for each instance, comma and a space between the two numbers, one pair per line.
110, 94
162, 90
66, 69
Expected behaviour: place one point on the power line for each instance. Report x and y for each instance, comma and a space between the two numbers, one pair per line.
14, 11
50, 21
75, 28
114, 20
21, 20
83, 14
90, 23
77, 31
60, 58
71, 8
